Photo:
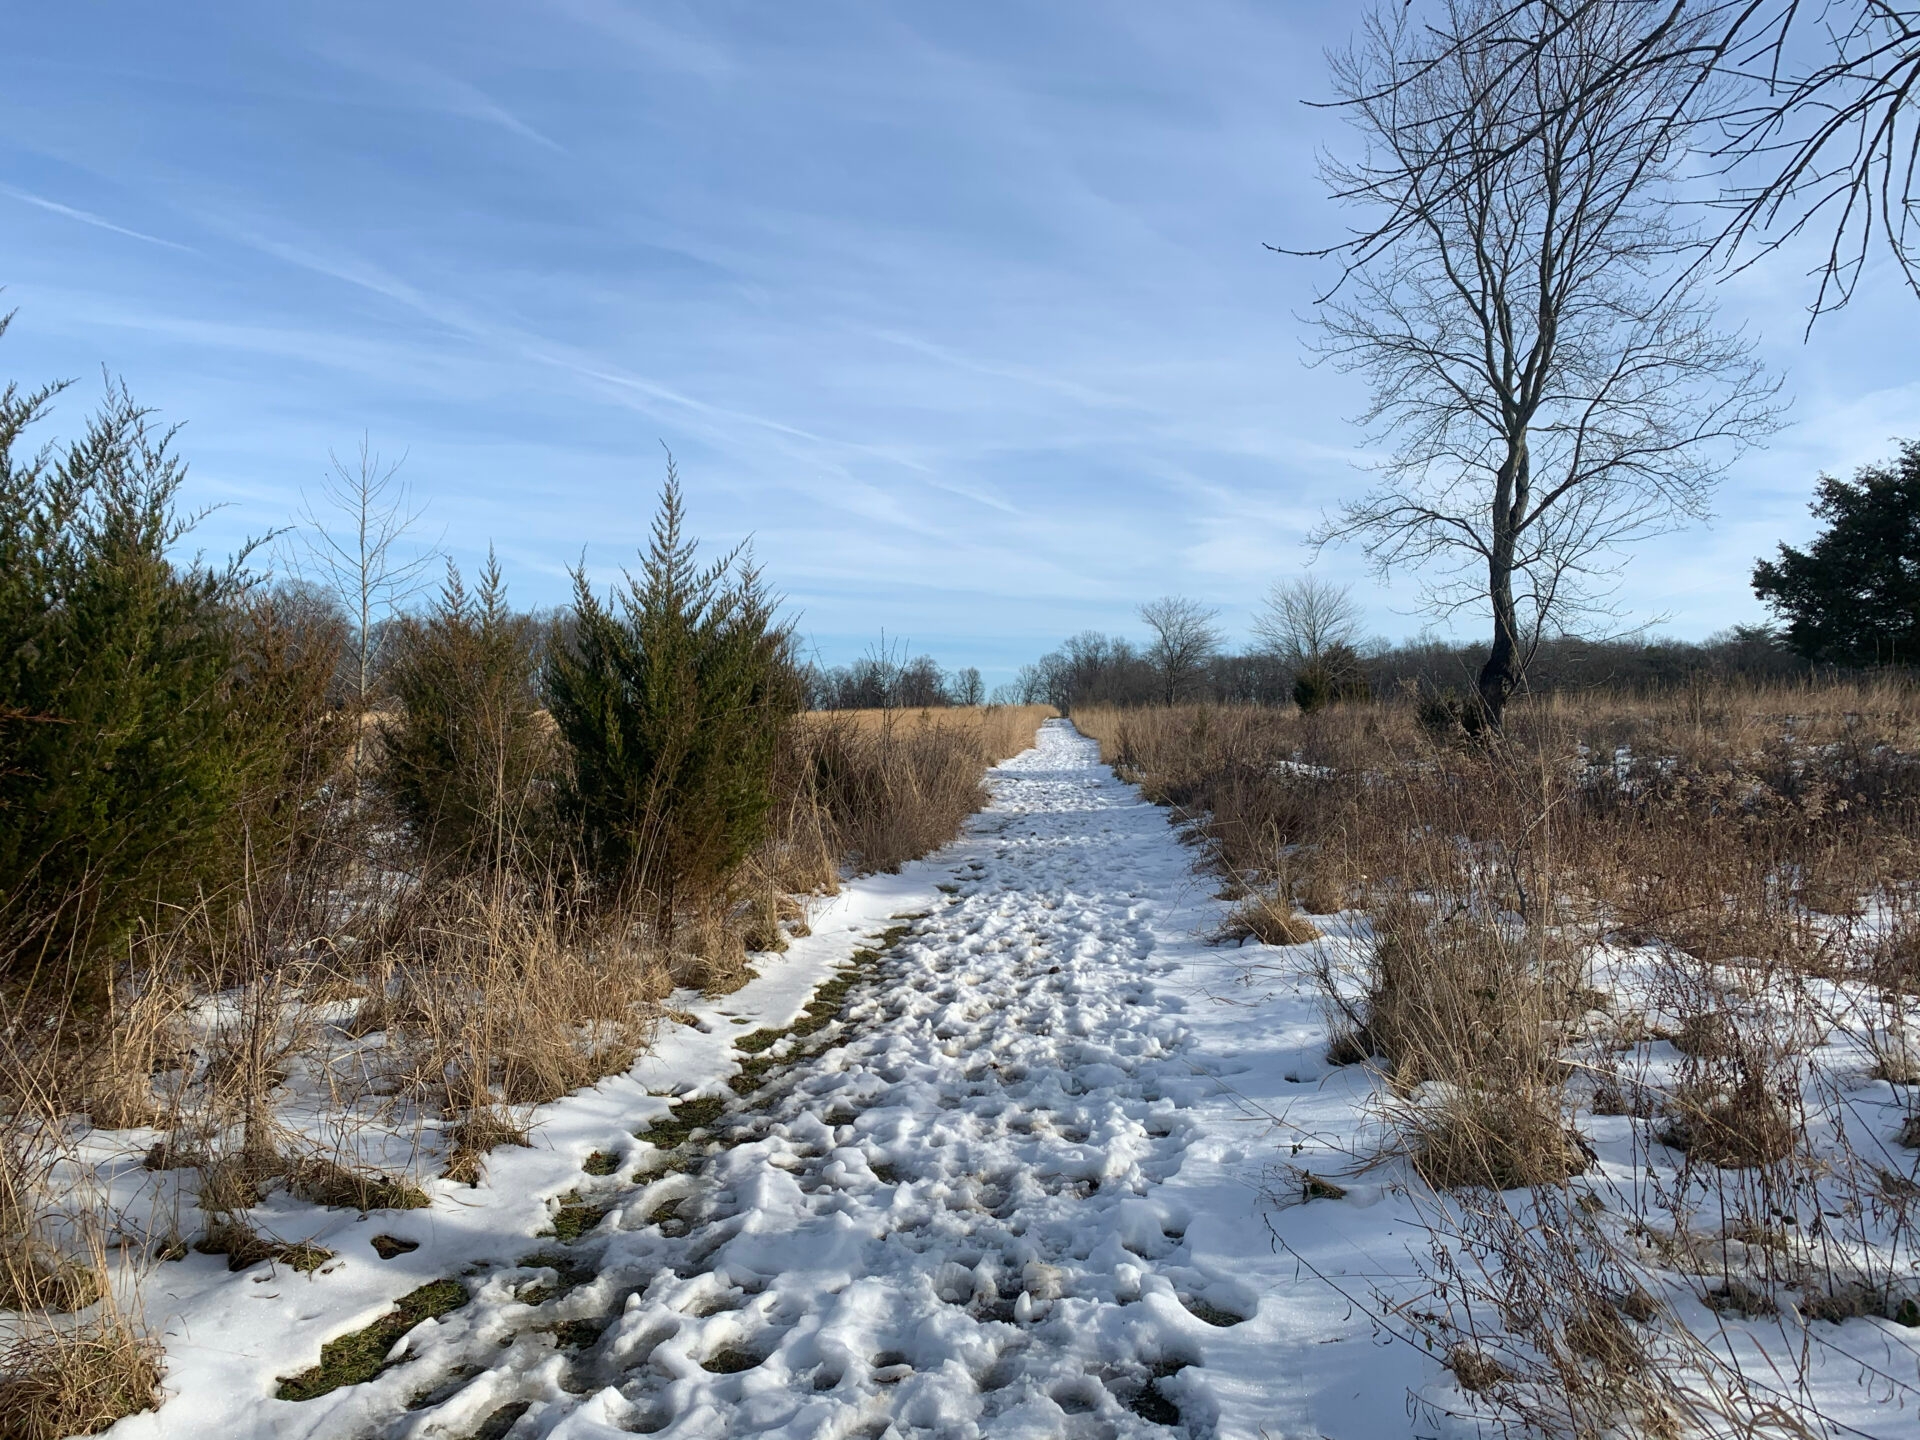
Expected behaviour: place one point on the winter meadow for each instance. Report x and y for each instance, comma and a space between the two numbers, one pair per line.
506, 933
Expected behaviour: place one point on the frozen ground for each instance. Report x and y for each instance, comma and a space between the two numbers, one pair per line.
1033, 1181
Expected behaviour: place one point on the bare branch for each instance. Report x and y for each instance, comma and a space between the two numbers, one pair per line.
355, 549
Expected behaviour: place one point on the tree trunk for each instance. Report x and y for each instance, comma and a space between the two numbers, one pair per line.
1501, 673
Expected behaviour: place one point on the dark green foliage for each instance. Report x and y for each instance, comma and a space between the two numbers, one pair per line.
1444, 714
1852, 597
124, 763
288, 732
671, 699
1333, 676
466, 756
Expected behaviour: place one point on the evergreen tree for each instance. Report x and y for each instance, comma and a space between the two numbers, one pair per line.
122, 766
1852, 597
671, 700
465, 759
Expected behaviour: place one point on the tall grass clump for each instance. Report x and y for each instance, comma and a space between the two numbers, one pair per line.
76, 1380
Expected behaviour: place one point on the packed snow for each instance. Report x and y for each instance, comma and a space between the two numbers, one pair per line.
1040, 1174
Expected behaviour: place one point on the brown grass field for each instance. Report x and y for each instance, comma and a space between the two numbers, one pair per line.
1695, 909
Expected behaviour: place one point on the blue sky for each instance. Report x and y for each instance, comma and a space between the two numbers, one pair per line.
961, 311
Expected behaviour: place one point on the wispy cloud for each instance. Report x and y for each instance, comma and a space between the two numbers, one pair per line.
418, 85
962, 310
87, 217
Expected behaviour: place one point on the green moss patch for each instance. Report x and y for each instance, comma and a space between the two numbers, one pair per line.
1212, 1314
679, 1123
356, 1358
575, 1217
601, 1162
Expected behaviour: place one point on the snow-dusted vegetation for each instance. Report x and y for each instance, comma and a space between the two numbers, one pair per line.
1617, 1009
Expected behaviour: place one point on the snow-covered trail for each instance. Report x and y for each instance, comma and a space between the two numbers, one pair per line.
1010, 1191
948, 1221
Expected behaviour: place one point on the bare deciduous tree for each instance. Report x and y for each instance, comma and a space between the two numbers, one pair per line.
354, 549
1548, 377
1302, 619
1184, 639
1810, 108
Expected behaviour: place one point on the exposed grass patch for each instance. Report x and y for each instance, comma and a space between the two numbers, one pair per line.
823, 1009
676, 1127
1212, 1314
323, 1182
245, 1246
497, 1424
356, 1358
1271, 920
484, 1128
601, 1162
576, 1334
1152, 1406
574, 1217
731, 1361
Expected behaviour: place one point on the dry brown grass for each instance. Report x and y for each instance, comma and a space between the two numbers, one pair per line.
1002, 731
1759, 847
78, 1380
1270, 919
890, 786
501, 995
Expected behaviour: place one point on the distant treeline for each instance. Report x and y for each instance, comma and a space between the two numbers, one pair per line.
1097, 669
884, 679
